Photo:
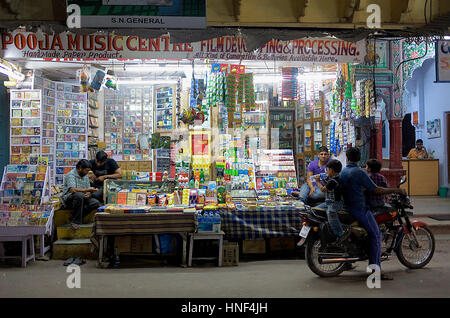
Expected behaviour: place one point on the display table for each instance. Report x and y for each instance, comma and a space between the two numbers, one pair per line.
25, 235
106, 224
266, 223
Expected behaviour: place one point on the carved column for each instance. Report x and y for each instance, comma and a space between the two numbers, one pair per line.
395, 172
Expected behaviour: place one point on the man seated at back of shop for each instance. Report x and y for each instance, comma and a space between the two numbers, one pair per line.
419, 152
103, 168
309, 191
77, 193
376, 201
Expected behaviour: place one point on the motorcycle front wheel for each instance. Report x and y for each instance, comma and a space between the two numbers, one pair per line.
413, 256
312, 259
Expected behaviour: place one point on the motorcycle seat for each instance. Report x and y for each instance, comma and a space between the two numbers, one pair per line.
344, 216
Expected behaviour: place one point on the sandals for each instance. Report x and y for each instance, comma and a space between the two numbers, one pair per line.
74, 260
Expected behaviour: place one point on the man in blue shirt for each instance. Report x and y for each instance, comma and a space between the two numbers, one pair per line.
354, 181
77, 193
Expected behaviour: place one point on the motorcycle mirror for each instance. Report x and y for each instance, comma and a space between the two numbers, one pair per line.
402, 180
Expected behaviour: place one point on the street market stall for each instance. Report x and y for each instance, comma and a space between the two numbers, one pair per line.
205, 144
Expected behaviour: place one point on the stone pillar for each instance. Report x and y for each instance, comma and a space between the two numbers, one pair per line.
376, 143
395, 171
395, 143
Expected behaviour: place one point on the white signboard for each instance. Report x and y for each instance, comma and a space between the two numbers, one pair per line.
67, 45
442, 61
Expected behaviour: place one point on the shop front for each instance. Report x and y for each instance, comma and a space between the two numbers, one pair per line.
210, 137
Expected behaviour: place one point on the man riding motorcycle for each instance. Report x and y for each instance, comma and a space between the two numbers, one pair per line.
353, 181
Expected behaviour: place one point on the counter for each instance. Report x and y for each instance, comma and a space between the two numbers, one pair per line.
423, 176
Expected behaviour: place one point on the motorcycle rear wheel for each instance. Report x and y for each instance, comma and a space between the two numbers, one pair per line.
413, 257
312, 259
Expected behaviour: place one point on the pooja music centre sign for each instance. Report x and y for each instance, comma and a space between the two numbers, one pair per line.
147, 14
67, 45
442, 61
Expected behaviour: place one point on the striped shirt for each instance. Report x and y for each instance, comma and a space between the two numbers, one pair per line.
374, 200
73, 180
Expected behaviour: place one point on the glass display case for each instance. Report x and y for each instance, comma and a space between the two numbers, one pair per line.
300, 139
308, 137
318, 140
114, 123
284, 121
164, 108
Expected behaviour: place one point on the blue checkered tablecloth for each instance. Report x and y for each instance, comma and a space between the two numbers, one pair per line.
269, 222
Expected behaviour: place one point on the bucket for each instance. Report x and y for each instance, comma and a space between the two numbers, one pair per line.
443, 192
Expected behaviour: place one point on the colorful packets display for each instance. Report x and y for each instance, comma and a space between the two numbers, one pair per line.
289, 84
25, 214
25, 127
71, 127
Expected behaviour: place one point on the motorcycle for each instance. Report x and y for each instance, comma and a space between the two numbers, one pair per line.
412, 241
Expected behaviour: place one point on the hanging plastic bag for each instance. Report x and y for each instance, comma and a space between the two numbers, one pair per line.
98, 79
84, 79
111, 82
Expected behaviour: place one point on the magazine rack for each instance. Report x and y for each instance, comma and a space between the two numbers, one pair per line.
13, 198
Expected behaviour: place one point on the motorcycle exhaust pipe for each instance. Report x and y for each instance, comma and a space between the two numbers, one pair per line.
339, 260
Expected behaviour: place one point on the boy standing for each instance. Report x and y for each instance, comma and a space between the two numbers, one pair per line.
334, 200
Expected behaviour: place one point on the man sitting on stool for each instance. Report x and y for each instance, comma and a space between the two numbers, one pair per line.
77, 193
103, 168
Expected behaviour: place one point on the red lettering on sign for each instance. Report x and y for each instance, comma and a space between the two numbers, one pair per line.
71, 42
19, 41
142, 44
154, 44
117, 48
100, 40
6, 39
87, 47
129, 43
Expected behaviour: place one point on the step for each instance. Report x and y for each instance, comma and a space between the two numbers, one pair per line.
63, 249
64, 216
65, 232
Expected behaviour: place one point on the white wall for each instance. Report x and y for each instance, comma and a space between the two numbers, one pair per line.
432, 101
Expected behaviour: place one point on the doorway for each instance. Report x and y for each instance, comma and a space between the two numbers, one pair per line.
408, 135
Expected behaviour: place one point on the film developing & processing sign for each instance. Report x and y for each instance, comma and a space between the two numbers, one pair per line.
442, 61
159, 14
67, 45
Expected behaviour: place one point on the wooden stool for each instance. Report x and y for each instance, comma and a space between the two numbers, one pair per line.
26, 239
205, 236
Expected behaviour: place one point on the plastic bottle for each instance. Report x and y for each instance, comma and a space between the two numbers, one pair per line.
202, 177
212, 219
200, 220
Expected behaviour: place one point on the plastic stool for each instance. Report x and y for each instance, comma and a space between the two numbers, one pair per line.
205, 236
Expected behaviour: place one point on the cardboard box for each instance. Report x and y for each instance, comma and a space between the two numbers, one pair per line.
254, 246
230, 254
123, 165
122, 197
123, 243
142, 244
282, 244
145, 166
133, 165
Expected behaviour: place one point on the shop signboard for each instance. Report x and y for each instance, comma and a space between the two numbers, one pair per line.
167, 14
442, 61
100, 46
